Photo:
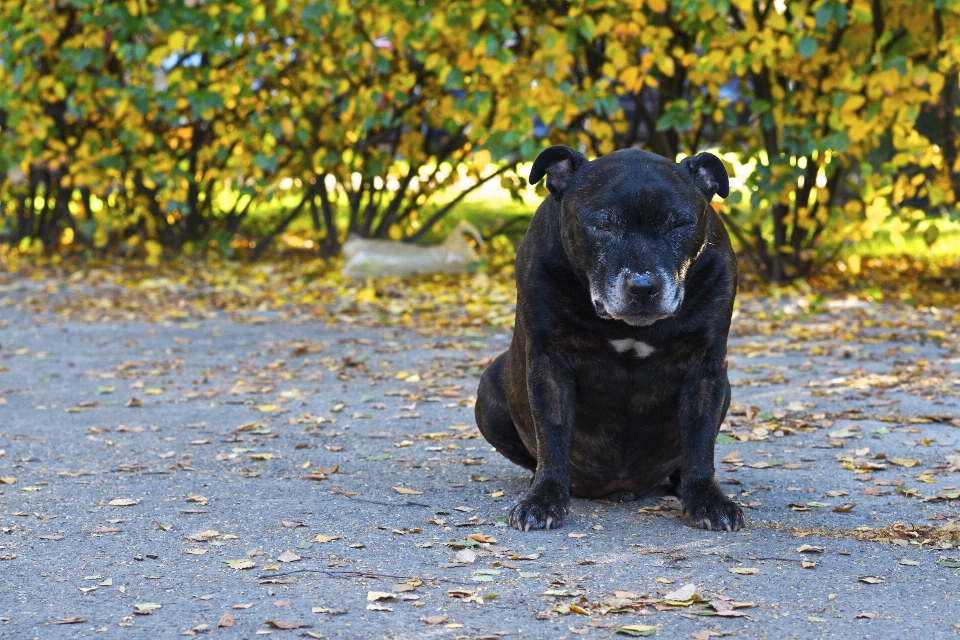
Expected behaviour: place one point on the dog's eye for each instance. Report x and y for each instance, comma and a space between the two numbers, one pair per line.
604, 227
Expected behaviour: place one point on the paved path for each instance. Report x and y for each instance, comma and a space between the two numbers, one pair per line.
343, 468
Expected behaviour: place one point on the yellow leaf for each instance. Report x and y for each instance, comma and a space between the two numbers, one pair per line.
176, 40
904, 462
408, 492
322, 539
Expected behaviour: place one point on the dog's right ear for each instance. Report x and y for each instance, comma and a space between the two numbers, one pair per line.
559, 164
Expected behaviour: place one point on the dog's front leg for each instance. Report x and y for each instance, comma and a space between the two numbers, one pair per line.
550, 391
704, 398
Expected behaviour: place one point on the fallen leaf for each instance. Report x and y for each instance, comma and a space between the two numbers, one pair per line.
408, 492
103, 529
806, 548
226, 620
483, 538
373, 596
323, 538
637, 630
288, 556
431, 620
240, 564
904, 462
871, 579
683, 594
203, 536
744, 571
72, 620
277, 624
123, 502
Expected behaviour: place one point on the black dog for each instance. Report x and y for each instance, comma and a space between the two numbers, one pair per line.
616, 377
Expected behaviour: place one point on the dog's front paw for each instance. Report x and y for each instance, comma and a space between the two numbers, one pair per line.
544, 507
708, 508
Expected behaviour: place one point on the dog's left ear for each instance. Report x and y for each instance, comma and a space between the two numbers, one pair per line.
708, 173
559, 163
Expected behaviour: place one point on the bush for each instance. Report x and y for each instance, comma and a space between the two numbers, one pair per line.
146, 126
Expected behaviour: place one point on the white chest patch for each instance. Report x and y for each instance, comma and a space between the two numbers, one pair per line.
642, 349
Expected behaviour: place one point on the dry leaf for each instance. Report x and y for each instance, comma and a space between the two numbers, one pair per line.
322, 538
226, 620
744, 571
373, 596
288, 556
408, 492
277, 624
123, 502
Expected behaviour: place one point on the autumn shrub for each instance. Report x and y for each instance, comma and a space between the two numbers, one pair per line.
147, 126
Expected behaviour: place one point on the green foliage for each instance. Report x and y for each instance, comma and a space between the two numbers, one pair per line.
147, 125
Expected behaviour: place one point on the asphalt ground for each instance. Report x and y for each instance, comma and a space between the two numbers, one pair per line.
301, 479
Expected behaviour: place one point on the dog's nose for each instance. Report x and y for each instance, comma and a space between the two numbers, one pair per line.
642, 286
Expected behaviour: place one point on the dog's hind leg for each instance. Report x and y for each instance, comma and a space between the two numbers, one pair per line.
493, 417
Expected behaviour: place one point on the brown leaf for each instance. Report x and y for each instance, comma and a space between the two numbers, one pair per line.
134, 402
436, 619
278, 624
72, 620
103, 529
480, 537
291, 524
226, 620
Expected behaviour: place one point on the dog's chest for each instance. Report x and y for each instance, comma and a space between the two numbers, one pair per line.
637, 348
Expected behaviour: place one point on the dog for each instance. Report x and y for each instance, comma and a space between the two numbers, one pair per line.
616, 375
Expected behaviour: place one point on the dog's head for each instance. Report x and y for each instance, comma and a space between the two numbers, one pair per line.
632, 222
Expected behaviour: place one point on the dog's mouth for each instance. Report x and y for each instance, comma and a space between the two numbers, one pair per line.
639, 319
